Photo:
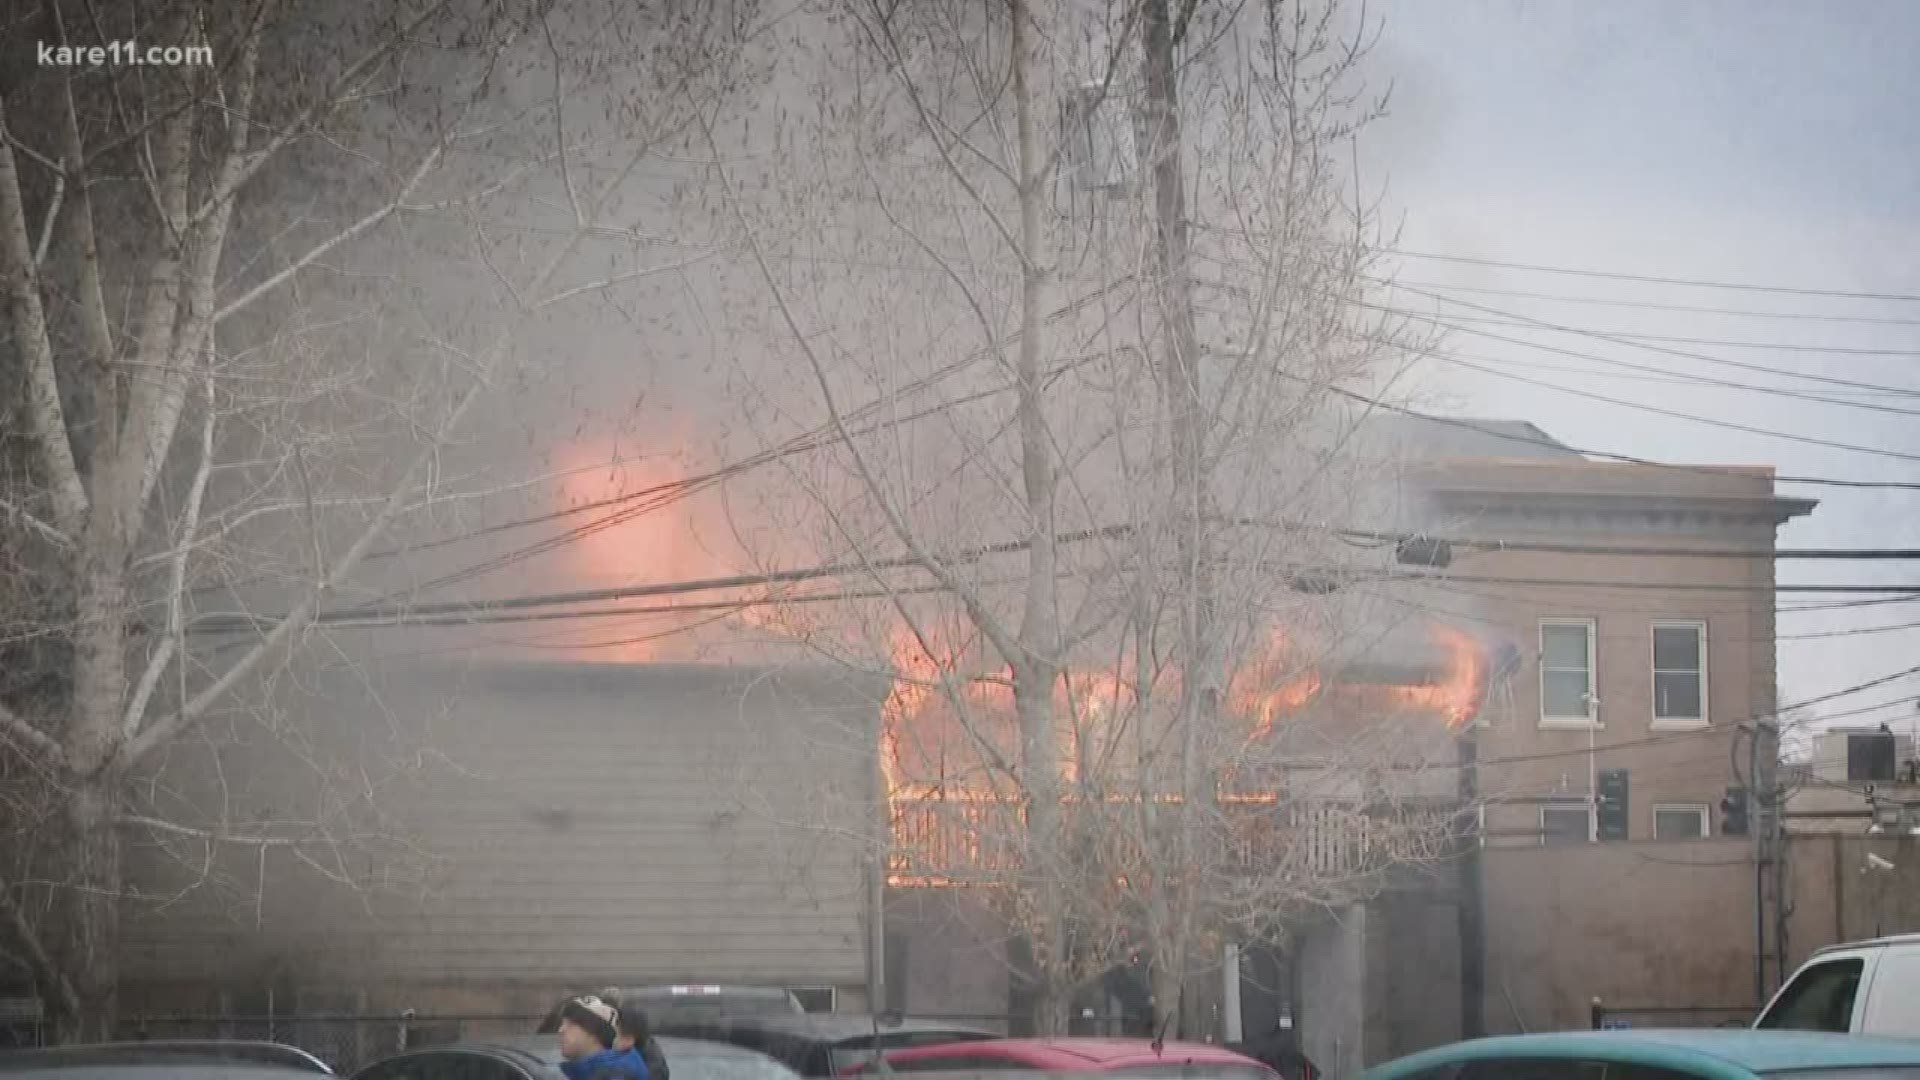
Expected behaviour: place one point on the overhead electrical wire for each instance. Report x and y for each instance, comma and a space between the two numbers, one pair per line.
1640, 406
460, 612
1652, 279
1635, 336
1628, 342
1691, 309
1454, 323
1608, 455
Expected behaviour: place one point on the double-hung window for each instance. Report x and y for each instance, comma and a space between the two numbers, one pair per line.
1680, 822
1680, 674
1567, 650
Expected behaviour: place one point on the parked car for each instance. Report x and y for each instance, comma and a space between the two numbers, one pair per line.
685, 1004
1134, 1058
821, 1044
183, 1053
1863, 987
538, 1058
1703, 1054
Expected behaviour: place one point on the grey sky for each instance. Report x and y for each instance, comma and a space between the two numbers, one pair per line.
1770, 142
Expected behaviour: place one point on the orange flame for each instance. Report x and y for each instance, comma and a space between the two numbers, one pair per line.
1459, 695
1274, 682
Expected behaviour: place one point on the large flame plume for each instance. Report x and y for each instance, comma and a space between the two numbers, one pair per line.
949, 732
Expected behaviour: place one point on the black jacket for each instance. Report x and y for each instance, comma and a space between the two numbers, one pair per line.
656, 1061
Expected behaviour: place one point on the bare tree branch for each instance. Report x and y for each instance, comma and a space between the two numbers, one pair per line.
48, 748
19, 269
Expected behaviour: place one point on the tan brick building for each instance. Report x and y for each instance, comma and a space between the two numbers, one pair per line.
1634, 607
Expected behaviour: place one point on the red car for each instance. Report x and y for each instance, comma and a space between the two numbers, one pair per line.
1136, 1058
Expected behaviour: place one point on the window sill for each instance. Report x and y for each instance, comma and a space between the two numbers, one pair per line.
1680, 725
1569, 723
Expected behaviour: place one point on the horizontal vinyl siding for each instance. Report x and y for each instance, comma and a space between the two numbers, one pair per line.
590, 822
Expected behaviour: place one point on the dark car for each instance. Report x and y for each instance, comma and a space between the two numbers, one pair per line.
687, 1004
823, 1044
538, 1058
190, 1055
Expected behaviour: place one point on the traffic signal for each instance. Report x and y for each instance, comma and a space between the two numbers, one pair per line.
1611, 797
1733, 812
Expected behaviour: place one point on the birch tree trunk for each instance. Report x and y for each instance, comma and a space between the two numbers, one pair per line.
171, 189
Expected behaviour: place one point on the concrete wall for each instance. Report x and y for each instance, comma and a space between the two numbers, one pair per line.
1415, 995
955, 962
1332, 969
1639, 925
1837, 896
575, 824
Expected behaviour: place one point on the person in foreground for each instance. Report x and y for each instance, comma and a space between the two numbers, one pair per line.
589, 1030
633, 1032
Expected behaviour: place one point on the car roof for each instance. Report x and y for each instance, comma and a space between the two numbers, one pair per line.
210, 1051
835, 1027
156, 1071
1094, 1050
1719, 1050
1871, 943
546, 1048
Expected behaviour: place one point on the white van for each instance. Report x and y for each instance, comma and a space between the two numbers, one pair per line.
1864, 988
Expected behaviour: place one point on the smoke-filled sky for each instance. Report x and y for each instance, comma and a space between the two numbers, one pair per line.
1729, 141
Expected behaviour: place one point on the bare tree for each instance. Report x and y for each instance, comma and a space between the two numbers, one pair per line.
253, 297
1090, 470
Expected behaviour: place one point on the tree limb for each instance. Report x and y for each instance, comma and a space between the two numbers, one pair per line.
21, 279
43, 964
11, 724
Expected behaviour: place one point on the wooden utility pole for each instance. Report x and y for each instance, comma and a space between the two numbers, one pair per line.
1179, 374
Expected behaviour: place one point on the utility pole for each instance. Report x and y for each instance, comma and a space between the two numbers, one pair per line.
1756, 802
1179, 371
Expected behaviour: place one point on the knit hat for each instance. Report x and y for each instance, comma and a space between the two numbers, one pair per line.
598, 1018
631, 1018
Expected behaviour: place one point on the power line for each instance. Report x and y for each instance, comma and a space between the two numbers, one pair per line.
1608, 455
1788, 290
1669, 377
1705, 380
1575, 583
1669, 737
1626, 336
673, 491
1652, 305
1856, 631
1491, 546
1628, 342
1810, 440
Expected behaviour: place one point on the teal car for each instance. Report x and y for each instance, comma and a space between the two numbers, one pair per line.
1710, 1054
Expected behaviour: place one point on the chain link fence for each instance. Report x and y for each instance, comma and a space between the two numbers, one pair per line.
344, 1042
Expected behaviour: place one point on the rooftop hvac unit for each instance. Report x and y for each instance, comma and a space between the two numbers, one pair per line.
1861, 756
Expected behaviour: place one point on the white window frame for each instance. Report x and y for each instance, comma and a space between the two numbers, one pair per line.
1585, 805
1592, 719
1653, 677
1705, 812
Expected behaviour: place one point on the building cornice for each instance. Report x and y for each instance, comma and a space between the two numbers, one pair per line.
1506, 511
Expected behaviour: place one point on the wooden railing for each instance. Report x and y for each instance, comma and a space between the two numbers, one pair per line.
942, 841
